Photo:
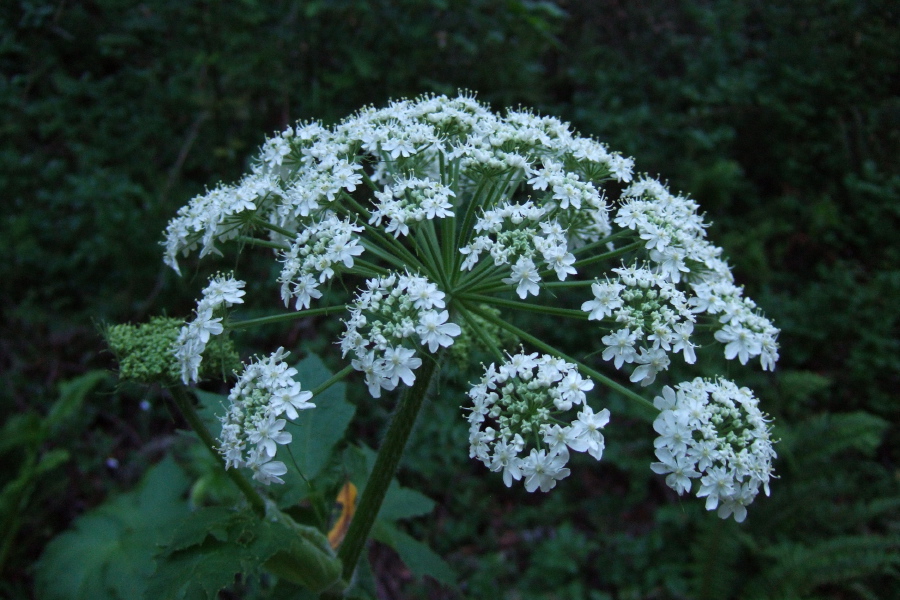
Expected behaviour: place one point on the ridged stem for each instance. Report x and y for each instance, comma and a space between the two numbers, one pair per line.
385, 467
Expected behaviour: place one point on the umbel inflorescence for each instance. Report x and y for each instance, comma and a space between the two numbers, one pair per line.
447, 220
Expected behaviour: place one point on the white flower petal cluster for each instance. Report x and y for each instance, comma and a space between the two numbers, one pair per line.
313, 256
411, 200
652, 320
222, 292
745, 332
302, 172
389, 320
714, 440
526, 399
675, 236
216, 216
516, 234
672, 230
252, 428
441, 189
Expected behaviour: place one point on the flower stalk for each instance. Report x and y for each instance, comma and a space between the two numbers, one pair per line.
385, 467
186, 407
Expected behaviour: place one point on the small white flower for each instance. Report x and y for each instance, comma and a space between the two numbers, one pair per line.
525, 277
542, 470
398, 364
434, 330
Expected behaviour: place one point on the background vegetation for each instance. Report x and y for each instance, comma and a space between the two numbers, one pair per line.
781, 118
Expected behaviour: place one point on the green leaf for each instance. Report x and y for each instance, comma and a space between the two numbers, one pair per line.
71, 396
108, 552
399, 502
316, 431
22, 431
201, 523
212, 406
212, 545
404, 503
420, 559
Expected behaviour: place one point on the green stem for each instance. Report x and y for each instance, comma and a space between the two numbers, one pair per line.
332, 380
551, 350
277, 229
485, 269
368, 181
599, 243
386, 239
608, 255
478, 331
569, 284
186, 406
285, 317
246, 239
547, 310
385, 467
370, 266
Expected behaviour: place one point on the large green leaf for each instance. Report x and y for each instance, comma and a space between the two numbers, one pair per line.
316, 431
108, 552
212, 545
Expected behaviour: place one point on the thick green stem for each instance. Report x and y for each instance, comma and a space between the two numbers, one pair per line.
245, 239
186, 406
385, 467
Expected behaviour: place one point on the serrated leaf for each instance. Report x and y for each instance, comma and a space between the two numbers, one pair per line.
195, 528
108, 552
211, 566
316, 431
399, 502
420, 559
242, 543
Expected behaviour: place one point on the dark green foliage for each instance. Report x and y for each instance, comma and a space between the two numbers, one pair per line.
109, 552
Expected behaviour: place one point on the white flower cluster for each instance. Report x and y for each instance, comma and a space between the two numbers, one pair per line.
714, 431
653, 320
675, 236
390, 315
426, 153
313, 255
221, 292
526, 399
214, 217
251, 428
410, 200
745, 332
519, 235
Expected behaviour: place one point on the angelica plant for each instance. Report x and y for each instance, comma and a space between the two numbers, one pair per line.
447, 220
